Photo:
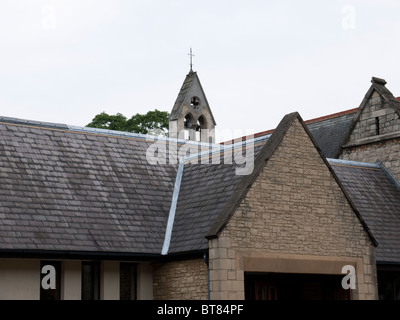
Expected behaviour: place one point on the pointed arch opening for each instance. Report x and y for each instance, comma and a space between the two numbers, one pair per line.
201, 125
188, 125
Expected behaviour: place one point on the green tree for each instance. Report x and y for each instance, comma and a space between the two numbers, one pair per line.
111, 122
153, 122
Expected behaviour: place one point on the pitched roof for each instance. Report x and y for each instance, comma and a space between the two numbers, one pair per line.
244, 184
377, 85
78, 189
264, 154
328, 131
90, 190
377, 196
209, 194
177, 108
205, 190
190, 79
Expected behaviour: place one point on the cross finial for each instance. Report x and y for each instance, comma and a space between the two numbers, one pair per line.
191, 59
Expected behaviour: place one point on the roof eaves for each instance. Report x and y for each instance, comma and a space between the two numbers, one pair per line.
331, 116
73, 254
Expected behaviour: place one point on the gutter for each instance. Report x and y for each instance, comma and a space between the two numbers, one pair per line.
80, 255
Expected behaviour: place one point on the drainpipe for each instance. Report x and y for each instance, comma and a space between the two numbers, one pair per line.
206, 260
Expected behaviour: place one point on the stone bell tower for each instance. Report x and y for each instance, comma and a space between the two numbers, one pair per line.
191, 117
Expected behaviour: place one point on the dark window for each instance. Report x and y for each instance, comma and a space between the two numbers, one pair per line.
50, 275
377, 131
90, 281
127, 281
281, 286
389, 285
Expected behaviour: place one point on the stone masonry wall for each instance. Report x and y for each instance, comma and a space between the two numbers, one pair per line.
375, 108
366, 145
294, 214
180, 280
386, 151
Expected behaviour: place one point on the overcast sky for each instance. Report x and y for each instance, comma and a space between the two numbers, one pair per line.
65, 61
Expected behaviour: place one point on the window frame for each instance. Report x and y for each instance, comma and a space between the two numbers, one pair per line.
93, 282
131, 271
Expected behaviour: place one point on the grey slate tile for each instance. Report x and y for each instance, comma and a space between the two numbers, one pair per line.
64, 184
378, 200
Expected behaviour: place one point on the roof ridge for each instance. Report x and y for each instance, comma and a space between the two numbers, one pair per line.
331, 116
343, 162
34, 123
90, 130
314, 120
222, 147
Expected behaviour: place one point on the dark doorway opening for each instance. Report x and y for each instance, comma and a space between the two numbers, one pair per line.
287, 286
388, 282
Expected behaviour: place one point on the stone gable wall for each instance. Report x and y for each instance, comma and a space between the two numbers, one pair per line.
387, 151
294, 216
375, 108
366, 146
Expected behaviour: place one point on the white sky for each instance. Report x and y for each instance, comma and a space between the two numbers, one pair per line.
67, 60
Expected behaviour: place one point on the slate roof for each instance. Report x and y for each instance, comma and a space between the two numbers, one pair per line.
205, 191
377, 197
177, 108
329, 131
72, 189
212, 186
218, 191
69, 190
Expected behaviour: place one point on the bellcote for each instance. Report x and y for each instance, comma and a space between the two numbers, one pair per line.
191, 117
